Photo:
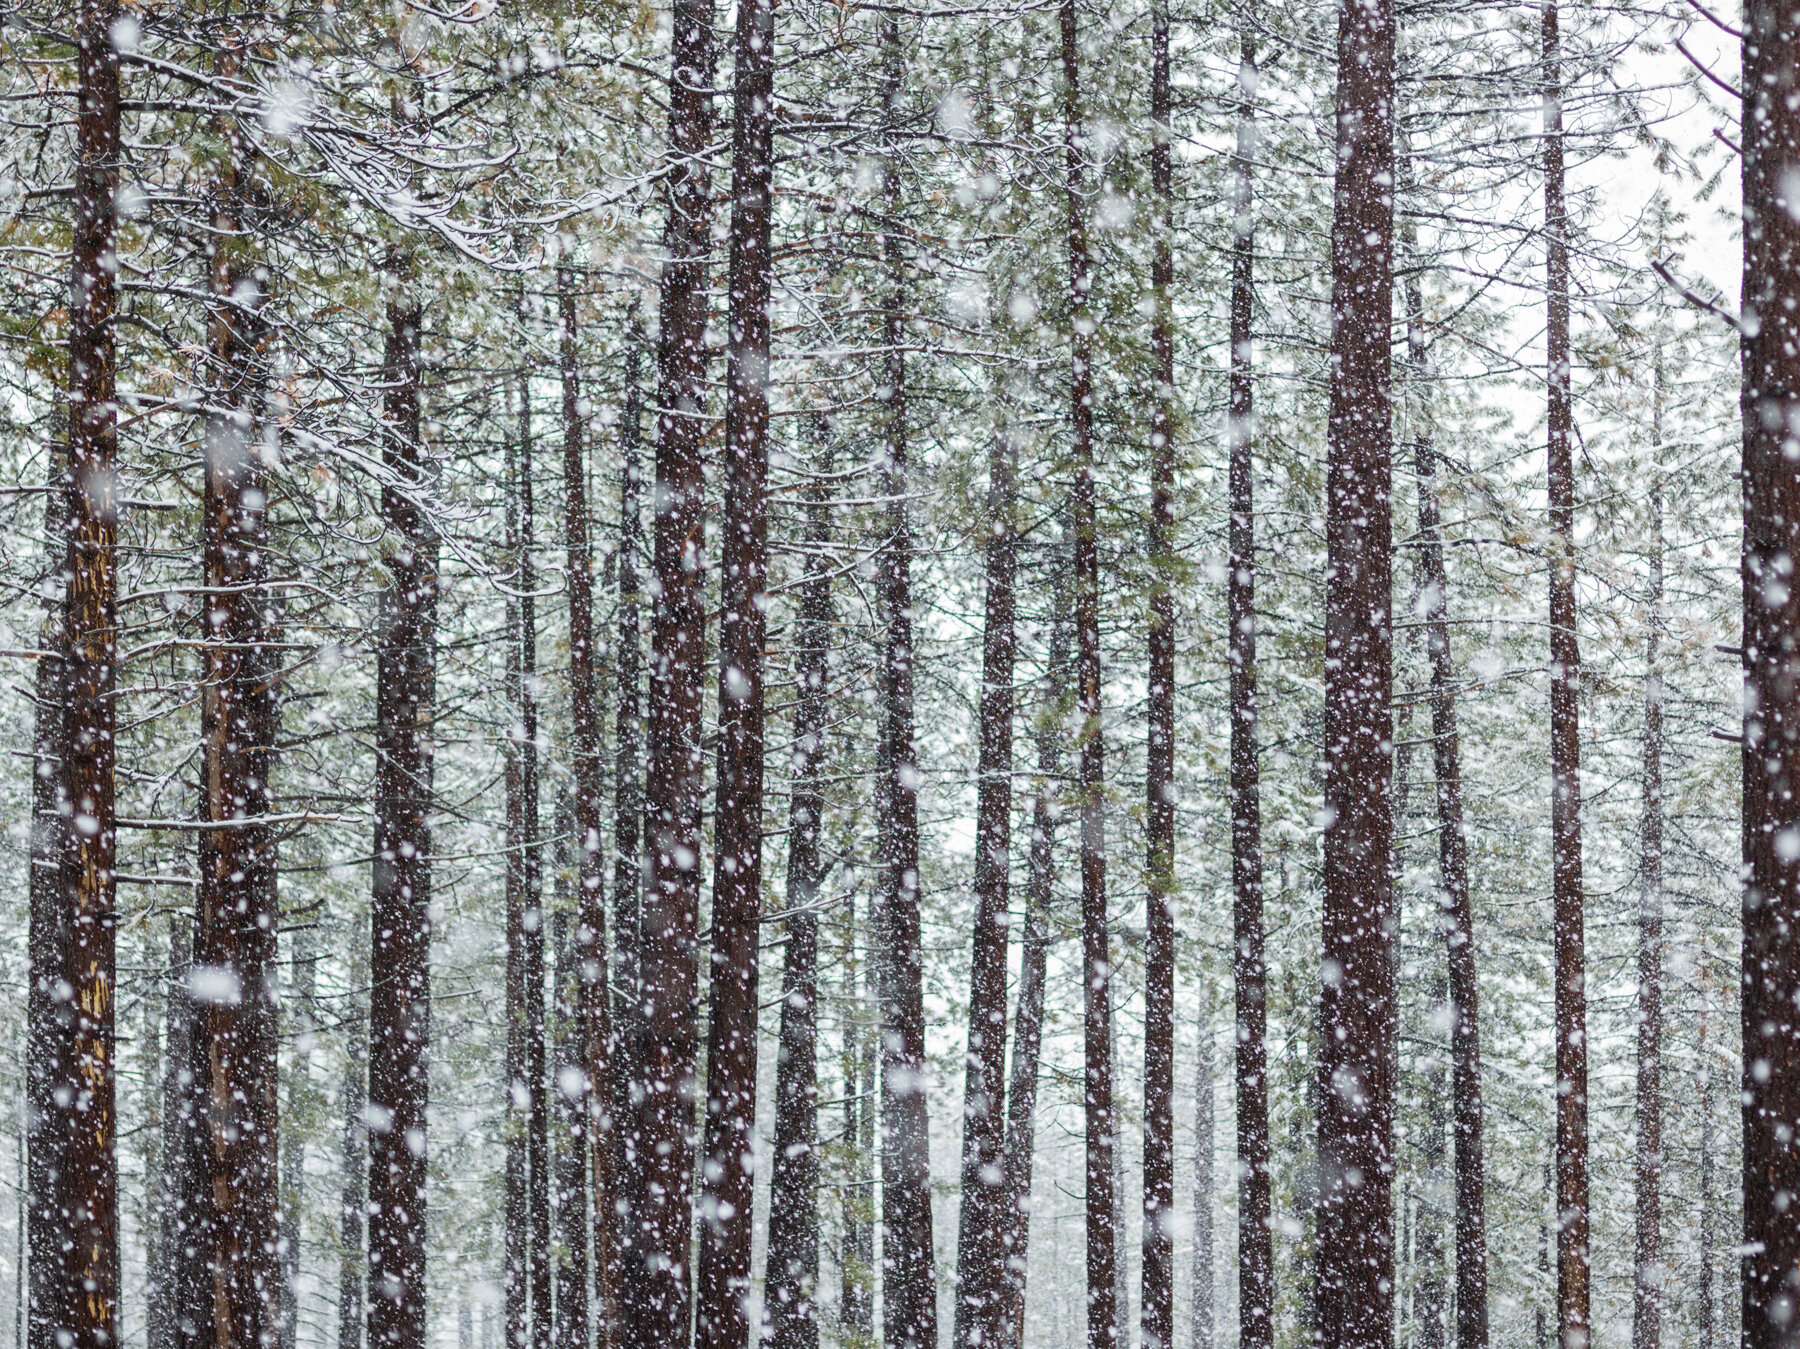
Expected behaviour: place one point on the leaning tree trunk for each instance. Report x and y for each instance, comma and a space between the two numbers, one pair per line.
1102, 1308
400, 897
1256, 1255
981, 1228
1572, 1275
47, 937
1770, 400
1456, 913
909, 1302
655, 1279
727, 1175
792, 1286
1646, 1319
1355, 1304
83, 1302
238, 912
1158, 1297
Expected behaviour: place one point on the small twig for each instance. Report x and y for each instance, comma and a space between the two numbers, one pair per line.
1662, 270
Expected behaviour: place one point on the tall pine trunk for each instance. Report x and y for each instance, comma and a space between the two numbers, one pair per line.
1572, 1274
1102, 1309
656, 1278
400, 897
82, 1308
909, 1276
856, 1256
1355, 1253
793, 1268
1456, 914
980, 1241
305, 961
1646, 1320
352, 1199
594, 1009
1158, 1298
727, 1175
570, 1094
1203, 1291
1256, 1255
183, 1289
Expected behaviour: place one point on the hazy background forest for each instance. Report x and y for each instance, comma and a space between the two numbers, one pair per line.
327, 210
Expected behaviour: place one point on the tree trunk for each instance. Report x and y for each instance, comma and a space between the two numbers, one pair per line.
727, 1174
1707, 1311
186, 1288
1646, 1319
571, 1094
83, 1308
793, 1269
857, 1255
235, 933
1158, 1298
1565, 743
1028, 1021
400, 899
352, 1206
909, 1284
656, 1281
47, 938
293, 1154
1102, 1310
1203, 1296
1770, 400
595, 1033
981, 1228
1453, 863
1355, 1306
1256, 1255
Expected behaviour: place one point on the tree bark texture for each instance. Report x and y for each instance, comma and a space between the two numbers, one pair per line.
571, 1095
594, 1007
83, 1306
400, 899
656, 1279
793, 1269
1355, 1303
1646, 1311
1158, 1297
183, 1284
1256, 1255
1202, 1336
981, 1225
301, 1023
1572, 1271
909, 1276
352, 1203
727, 1172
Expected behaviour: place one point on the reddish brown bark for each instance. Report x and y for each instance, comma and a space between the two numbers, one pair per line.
1572, 1272
1355, 1253
1256, 1256
1646, 1318
793, 1277
400, 899
84, 1304
1158, 1299
727, 1174
981, 1226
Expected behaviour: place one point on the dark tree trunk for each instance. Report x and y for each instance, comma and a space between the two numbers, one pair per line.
909, 1276
793, 1272
1770, 400
615, 1229
1103, 1313
1453, 864
400, 899
1355, 1303
1256, 1255
857, 1254
1565, 742
656, 1278
1646, 1320
1158, 1299
570, 1092
981, 1227
1028, 1020
235, 992
1203, 1192
47, 937
352, 1205
595, 1035
293, 1155
727, 1175
185, 1285
83, 1308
